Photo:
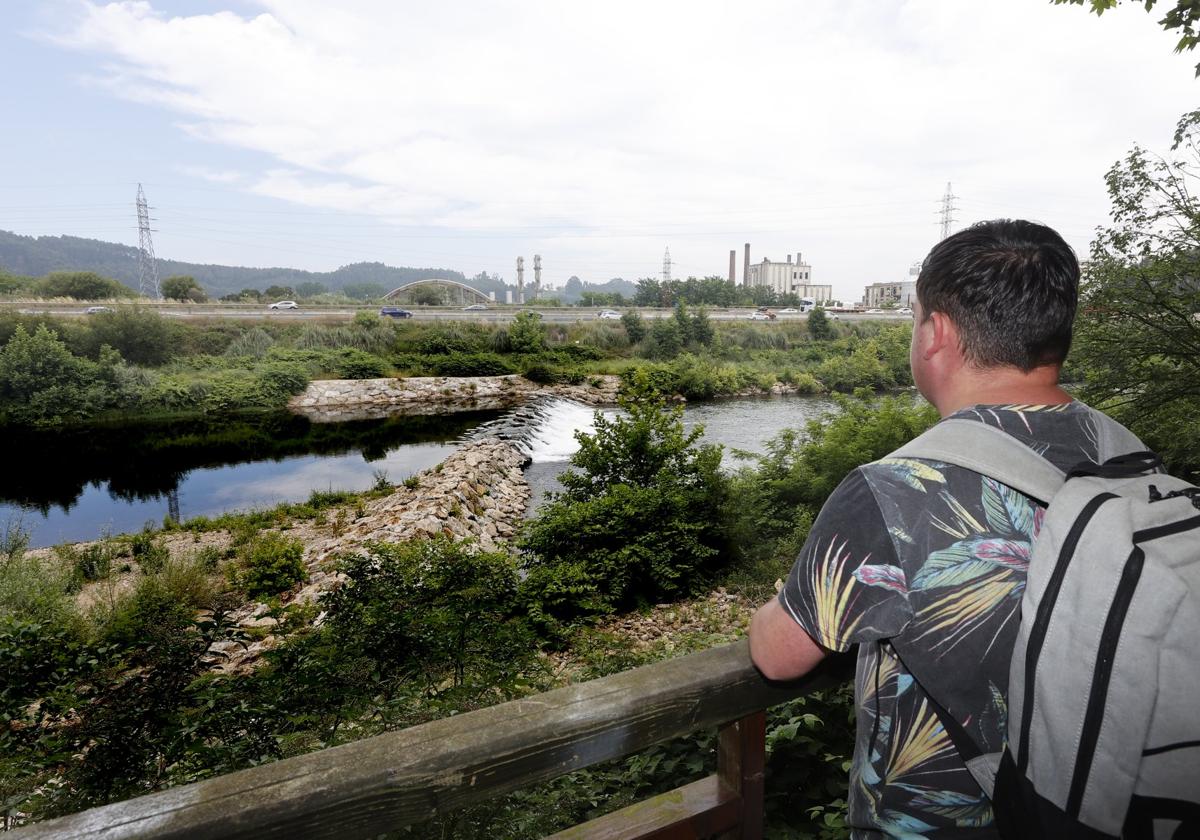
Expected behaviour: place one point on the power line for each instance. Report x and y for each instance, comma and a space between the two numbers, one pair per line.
147, 265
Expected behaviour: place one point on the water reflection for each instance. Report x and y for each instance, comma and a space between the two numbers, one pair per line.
72, 484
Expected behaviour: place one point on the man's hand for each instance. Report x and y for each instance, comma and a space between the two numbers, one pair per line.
780, 648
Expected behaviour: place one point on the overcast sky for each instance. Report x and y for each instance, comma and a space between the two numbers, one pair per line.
310, 134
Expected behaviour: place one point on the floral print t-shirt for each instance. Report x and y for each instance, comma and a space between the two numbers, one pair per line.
923, 565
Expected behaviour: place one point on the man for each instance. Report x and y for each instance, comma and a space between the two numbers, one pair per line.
922, 564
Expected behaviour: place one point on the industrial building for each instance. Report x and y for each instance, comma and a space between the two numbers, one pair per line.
788, 278
900, 293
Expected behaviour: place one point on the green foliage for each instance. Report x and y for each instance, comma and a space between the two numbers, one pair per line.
141, 335
527, 333
640, 517
779, 498
357, 364
183, 287
665, 340
252, 344
42, 381
150, 554
472, 364
635, 327
270, 564
1185, 17
434, 611
427, 296
81, 285
1138, 328
818, 325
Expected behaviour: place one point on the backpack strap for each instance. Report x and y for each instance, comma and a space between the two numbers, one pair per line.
987, 450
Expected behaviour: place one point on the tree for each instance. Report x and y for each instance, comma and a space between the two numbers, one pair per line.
41, 380
640, 517
527, 333
183, 287
81, 285
311, 288
426, 296
1185, 17
364, 291
818, 325
635, 327
278, 292
665, 340
1137, 339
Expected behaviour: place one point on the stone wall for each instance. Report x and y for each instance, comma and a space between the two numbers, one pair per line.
331, 400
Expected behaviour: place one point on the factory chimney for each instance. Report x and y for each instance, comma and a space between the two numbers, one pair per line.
520, 279
732, 266
746, 267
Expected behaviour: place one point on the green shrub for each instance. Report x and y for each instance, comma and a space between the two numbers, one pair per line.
665, 339
150, 554
41, 381
252, 344
139, 334
527, 333
641, 516
358, 364
81, 285
635, 327
542, 373
471, 364
271, 564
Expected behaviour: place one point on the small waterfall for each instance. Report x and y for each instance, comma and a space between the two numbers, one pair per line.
543, 429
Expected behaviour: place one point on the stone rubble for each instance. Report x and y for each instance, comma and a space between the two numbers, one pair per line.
335, 400
478, 493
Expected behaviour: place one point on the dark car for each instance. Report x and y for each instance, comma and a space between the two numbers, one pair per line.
395, 312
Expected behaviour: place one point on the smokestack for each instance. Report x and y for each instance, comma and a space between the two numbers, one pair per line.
746, 267
537, 275
520, 279
732, 266
789, 260
799, 259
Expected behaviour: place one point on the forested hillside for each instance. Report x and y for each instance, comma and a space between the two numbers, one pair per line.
36, 256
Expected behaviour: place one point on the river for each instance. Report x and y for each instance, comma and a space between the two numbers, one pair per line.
72, 485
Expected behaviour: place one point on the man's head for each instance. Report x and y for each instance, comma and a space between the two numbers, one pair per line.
1010, 288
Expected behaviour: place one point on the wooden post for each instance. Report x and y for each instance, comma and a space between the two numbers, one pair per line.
741, 763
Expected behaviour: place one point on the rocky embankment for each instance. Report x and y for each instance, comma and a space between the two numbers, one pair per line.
332, 400
478, 493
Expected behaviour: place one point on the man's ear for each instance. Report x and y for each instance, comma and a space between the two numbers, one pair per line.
941, 335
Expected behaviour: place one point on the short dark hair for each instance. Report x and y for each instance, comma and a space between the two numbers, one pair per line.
1010, 286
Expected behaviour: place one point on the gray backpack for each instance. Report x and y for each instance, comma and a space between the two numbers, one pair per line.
1104, 687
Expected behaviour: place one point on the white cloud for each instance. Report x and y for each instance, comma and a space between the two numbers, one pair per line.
599, 133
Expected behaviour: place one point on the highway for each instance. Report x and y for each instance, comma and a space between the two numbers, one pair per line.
498, 314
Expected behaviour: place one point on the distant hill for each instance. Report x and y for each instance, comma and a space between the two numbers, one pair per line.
35, 256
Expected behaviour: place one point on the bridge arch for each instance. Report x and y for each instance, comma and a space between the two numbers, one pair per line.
452, 291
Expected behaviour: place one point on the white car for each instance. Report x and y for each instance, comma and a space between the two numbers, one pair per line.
96, 310
284, 304
789, 311
904, 310
759, 316
874, 312
474, 307
609, 315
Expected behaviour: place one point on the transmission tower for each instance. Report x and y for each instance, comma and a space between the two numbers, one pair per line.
147, 265
667, 266
947, 211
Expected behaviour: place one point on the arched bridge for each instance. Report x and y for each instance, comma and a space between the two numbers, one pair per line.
451, 291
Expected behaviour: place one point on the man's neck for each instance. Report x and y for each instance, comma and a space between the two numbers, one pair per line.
1002, 386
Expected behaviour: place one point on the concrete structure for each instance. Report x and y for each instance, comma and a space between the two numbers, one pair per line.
788, 278
732, 266
901, 293
451, 291
746, 266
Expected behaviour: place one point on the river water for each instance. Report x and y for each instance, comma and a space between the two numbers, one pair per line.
72, 485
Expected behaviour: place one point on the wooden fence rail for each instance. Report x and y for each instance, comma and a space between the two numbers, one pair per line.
399, 778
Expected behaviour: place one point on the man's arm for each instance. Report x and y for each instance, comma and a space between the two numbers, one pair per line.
779, 647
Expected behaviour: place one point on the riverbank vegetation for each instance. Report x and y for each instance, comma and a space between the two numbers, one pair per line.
133, 362
112, 652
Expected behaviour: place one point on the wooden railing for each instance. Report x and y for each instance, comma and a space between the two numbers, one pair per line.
399, 778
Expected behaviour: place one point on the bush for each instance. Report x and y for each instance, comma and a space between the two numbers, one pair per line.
252, 344
635, 327
665, 339
271, 564
640, 518
42, 381
356, 364
150, 554
471, 364
527, 333
434, 610
81, 285
140, 335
